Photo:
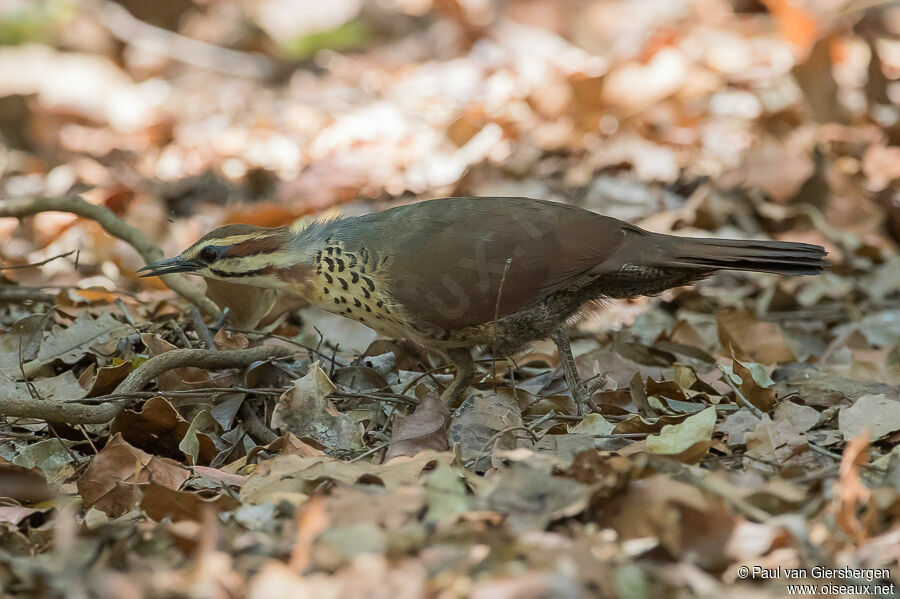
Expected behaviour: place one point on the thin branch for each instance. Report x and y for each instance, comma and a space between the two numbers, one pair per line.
741, 399
117, 228
125, 27
496, 318
74, 412
42, 262
255, 427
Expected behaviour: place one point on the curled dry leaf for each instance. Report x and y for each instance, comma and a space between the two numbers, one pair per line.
305, 411
160, 429
754, 384
425, 428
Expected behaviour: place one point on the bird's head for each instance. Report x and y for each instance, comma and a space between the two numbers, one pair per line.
246, 254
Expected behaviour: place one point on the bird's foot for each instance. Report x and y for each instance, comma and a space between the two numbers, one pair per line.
581, 390
454, 395
584, 392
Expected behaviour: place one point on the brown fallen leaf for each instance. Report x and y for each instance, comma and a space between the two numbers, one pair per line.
871, 415
751, 387
775, 441
752, 339
292, 476
306, 411
161, 502
70, 344
850, 494
23, 485
483, 423
159, 428
111, 482
425, 428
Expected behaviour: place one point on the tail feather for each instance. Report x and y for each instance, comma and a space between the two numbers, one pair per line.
780, 257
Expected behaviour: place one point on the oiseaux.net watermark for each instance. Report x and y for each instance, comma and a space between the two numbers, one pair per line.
834, 581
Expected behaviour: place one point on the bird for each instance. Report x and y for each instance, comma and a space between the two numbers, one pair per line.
458, 274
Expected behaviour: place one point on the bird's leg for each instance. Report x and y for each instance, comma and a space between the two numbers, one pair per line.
465, 370
580, 392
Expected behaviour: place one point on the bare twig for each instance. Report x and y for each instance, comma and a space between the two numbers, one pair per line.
80, 413
9, 293
496, 318
377, 396
201, 329
255, 427
42, 262
740, 396
496, 437
117, 228
124, 26
311, 350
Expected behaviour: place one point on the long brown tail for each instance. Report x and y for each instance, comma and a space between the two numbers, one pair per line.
780, 257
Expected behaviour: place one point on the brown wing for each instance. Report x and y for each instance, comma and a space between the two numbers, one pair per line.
450, 256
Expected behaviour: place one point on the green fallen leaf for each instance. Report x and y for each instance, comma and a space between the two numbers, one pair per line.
677, 438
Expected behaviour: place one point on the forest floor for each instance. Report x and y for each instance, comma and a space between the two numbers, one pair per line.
745, 435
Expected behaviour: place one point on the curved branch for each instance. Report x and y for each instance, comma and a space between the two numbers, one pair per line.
73, 412
197, 358
117, 228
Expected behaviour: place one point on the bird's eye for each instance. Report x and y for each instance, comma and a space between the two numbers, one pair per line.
208, 255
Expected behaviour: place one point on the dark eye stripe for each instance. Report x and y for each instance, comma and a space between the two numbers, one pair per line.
246, 273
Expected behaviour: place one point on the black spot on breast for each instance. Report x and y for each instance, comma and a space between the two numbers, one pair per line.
337, 300
352, 259
356, 302
343, 284
319, 256
329, 278
343, 300
379, 303
329, 262
340, 264
330, 250
325, 289
368, 309
369, 282
366, 292
354, 277
337, 251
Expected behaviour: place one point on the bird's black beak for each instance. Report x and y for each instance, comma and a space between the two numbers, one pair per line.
169, 266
